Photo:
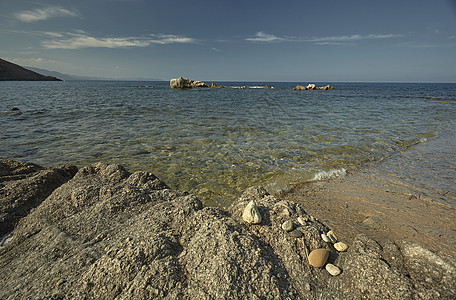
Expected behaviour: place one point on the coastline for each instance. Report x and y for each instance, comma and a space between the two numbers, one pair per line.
363, 203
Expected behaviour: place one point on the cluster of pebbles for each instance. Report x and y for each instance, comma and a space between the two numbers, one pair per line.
317, 258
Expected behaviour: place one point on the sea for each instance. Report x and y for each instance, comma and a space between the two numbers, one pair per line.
216, 142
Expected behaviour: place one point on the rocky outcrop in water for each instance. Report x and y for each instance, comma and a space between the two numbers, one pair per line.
184, 83
312, 86
107, 233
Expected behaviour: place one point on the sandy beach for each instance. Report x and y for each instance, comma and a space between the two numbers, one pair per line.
364, 203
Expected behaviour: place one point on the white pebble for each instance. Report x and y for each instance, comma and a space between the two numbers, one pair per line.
341, 247
332, 236
325, 238
287, 225
302, 220
332, 269
251, 213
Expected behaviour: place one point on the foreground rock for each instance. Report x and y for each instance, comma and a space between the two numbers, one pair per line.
24, 186
108, 234
184, 83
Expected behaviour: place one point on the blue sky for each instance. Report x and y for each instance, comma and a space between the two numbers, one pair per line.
303, 41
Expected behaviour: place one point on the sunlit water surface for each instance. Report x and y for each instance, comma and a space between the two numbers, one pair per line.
216, 142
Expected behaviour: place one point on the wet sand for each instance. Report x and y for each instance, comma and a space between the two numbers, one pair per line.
364, 203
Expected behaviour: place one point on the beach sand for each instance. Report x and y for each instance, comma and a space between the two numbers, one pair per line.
363, 203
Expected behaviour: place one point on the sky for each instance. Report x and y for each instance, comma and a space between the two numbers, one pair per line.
249, 40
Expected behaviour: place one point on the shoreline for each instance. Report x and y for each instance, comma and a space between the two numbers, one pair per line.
364, 203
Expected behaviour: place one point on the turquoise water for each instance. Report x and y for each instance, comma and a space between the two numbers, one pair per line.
216, 142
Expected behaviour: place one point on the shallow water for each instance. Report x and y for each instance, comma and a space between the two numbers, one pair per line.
217, 142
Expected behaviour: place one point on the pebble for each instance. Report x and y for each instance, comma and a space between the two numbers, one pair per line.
287, 225
302, 221
251, 213
318, 257
341, 247
332, 269
332, 236
325, 238
296, 233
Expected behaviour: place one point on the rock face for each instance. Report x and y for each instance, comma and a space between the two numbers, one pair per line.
107, 233
24, 186
184, 83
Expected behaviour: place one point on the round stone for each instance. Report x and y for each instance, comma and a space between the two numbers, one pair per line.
318, 257
296, 233
287, 225
332, 269
341, 247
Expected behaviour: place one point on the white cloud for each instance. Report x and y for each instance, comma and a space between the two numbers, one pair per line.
83, 40
264, 37
330, 40
31, 61
354, 37
41, 14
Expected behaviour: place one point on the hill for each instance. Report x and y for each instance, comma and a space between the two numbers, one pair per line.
10, 71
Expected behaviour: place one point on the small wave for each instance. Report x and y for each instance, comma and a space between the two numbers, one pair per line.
323, 175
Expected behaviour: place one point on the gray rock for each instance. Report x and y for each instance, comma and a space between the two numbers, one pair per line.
107, 233
296, 233
23, 186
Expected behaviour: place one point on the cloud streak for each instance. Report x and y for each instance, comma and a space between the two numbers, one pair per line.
341, 40
41, 14
83, 40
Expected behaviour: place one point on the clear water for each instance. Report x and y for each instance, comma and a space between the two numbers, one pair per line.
217, 142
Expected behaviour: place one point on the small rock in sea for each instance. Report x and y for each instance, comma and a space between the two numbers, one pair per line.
332, 269
318, 257
332, 236
302, 220
325, 238
341, 247
287, 225
296, 233
251, 213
